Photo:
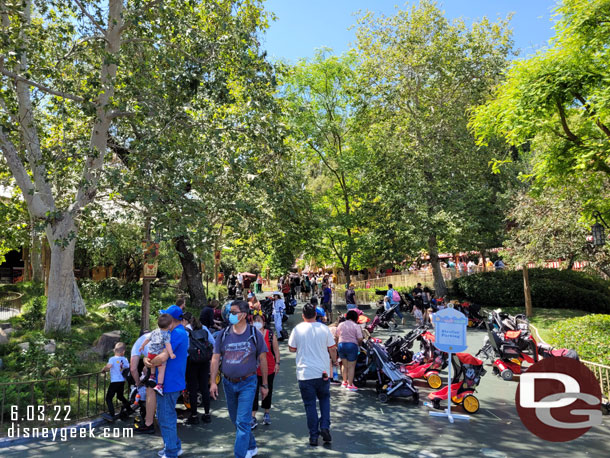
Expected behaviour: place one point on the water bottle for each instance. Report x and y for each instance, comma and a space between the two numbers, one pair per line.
335, 373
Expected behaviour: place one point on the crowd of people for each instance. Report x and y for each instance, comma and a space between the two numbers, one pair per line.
184, 356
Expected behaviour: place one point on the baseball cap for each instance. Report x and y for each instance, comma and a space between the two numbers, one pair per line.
174, 311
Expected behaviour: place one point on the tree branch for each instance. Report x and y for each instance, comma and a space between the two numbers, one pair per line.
91, 18
36, 206
101, 125
564, 124
43, 88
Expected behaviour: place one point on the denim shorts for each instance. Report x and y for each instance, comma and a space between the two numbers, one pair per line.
348, 351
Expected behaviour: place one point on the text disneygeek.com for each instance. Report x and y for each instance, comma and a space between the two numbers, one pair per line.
63, 434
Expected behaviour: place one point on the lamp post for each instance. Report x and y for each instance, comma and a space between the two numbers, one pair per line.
598, 231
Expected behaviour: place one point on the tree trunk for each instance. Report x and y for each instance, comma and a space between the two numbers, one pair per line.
527, 292
63, 296
571, 262
46, 262
347, 270
440, 287
36, 258
192, 272
26, 263
182, 285
145, 309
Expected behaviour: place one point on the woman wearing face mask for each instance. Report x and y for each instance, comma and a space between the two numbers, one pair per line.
273, 367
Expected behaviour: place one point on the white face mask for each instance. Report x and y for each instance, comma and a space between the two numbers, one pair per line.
258, 325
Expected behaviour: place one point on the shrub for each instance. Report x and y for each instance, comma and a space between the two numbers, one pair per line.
33, 317
588, 335
551, 288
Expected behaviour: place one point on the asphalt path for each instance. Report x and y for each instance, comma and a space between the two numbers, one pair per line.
361, 426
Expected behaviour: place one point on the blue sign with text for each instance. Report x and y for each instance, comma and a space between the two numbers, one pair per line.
450, 330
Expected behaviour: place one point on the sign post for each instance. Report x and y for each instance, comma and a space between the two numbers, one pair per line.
450, 326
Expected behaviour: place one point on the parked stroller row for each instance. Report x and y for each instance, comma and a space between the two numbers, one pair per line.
394, 366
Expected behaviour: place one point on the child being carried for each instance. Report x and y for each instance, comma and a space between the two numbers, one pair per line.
158, 342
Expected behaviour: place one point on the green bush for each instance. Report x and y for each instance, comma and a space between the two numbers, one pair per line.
588, 335
33, 317
551, 288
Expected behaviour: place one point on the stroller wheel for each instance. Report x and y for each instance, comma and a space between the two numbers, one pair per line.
434, 381
436, 403
415, 398
507, 374
471, 404
383, 397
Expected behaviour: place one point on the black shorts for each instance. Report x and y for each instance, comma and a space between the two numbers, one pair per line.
328, 306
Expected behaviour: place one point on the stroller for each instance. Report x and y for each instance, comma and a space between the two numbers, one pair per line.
366, 369
468, 371
267, 309
509, 349
382, 318
399, 348
475, 320
429, 362
390, 381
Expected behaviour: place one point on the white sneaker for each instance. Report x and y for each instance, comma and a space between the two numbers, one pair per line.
252, 452
162, 453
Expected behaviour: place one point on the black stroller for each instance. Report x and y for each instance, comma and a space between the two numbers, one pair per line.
399, 348
390, 381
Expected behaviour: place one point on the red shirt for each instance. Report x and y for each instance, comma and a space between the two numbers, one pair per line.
270, 358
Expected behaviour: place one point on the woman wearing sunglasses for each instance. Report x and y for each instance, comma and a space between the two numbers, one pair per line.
273, 367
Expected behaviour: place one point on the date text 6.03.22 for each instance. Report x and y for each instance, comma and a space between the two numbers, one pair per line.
41, 413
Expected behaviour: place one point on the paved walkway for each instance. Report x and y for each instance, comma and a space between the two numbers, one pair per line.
361, 426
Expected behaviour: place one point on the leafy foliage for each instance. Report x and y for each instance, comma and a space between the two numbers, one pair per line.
33, 317
588, 335
551, 288
423, 74
555, 106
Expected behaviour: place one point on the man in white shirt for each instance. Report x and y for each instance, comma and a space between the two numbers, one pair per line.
315, 347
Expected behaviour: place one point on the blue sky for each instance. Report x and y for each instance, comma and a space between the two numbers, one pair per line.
304, 25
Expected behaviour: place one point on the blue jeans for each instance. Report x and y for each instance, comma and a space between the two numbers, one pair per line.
316, 388
166, 414
240, 397
397, 311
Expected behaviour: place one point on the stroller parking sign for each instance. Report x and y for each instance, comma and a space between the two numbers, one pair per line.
450, 326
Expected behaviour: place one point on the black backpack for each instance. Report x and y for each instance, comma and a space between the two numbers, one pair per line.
200, 349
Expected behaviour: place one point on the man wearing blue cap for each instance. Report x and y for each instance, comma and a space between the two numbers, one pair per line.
175, 373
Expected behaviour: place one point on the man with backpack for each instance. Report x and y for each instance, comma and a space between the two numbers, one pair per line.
393, 299
242, 348
201, 348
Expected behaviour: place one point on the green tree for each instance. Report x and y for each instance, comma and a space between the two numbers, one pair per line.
321, 101
555, 106
58, 61
423, 74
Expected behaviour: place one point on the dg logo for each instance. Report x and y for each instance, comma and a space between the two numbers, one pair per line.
559, 399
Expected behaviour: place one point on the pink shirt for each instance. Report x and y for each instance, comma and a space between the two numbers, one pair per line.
349, 332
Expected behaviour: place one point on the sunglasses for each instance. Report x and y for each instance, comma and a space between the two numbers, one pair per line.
257, 312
